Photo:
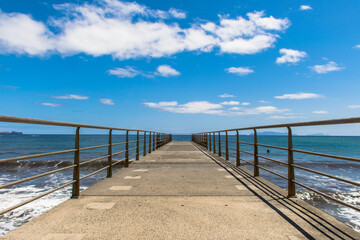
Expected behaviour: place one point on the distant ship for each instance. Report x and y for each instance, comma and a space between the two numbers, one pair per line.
11, 133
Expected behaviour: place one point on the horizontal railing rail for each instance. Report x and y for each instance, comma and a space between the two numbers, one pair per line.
149, 141
212, 141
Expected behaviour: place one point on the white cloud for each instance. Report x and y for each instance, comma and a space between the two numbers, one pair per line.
107, 101
300, 95
329, 67
290, 56
112, 27
357, 46
232, 103
354, 106
177, 13
48, 104
263, 101
19, 33
248, 46
190, 107
127, 72
206, 107
244, 36
245, 103
268, 110
72, 96
225, 95
240, 71
167, 71
320, 112
305, 7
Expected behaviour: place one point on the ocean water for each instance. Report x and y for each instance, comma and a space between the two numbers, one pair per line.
13, 146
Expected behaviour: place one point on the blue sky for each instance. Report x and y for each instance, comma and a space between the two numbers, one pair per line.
180, 66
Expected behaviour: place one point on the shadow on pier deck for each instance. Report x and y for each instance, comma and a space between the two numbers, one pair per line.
183, 191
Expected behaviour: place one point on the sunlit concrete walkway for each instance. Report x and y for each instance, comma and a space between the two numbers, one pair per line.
183, 192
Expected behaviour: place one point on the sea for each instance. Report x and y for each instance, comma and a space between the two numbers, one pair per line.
28, 144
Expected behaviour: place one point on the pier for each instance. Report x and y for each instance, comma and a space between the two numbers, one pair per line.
178, 190
182, 191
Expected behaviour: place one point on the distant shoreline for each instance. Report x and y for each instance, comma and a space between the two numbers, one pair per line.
11, 133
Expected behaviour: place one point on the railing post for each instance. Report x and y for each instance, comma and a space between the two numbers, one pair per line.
291, 174
256, 158
144, 144
137, 145
237, 149
149, 142
210, 142
157, 140
214, 146
109, 170
127, 149
76, 171
206, 140
219, 145
227, 146
154, 141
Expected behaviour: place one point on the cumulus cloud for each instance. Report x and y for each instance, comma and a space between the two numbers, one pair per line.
48, 104
245, 103
300, 95
167, 71
290, 56
127, 72
329, 67
320, 112
264, 101
305, 7
205, 107
225, 95
72, 96
112, 27
21, 34
107, 101
357, 46
240, 71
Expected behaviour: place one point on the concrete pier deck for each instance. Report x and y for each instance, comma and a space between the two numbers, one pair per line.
182, 191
